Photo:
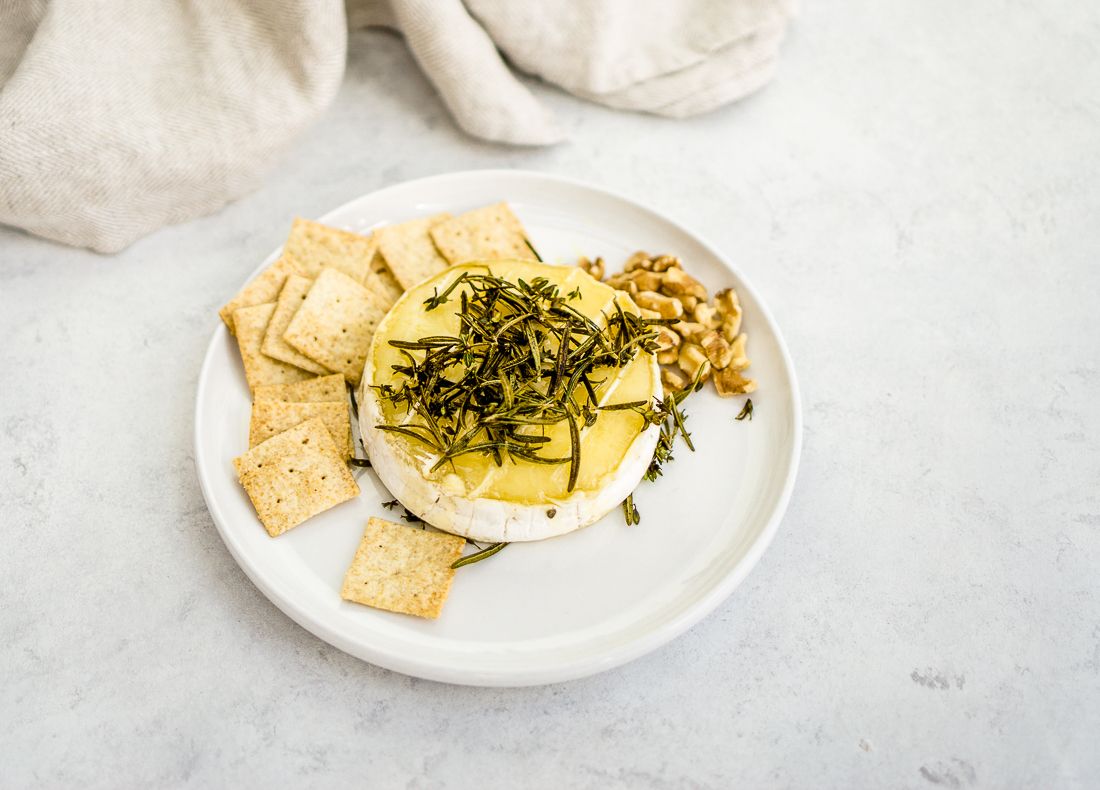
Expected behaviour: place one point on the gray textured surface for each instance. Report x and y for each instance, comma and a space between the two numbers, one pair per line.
917, 199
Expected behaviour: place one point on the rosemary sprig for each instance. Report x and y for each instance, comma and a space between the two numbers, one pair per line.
436, 299
667, 414
523, 360
478, 556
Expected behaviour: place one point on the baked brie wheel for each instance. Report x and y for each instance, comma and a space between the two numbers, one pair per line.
476, 421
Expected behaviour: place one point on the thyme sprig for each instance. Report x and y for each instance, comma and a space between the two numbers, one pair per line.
672, 419
523, 359
746, 411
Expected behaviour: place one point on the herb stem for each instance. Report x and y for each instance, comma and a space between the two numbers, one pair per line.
746, 411
478, 556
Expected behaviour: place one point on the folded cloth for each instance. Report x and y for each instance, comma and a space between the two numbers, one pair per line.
671, 58
120, 116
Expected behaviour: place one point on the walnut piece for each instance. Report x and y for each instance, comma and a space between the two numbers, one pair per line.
647, 281
643, 280
716, 348
677, 282
706, 315
673, 379
689, 330
739, 360
663, 263
667, 306
668, 346
594, 268
729, 307
693, 361
730, 382
625, 285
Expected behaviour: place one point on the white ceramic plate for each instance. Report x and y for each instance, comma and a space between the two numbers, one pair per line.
566, 607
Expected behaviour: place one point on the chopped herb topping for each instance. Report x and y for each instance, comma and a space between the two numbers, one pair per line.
523, 358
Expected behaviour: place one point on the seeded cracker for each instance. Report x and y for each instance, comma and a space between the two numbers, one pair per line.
312, 246
291, 297
271, 417
294, 476
320, 389
383, 283
334, 324
259, 369
484, 234
263, 288
402, 569
409, 252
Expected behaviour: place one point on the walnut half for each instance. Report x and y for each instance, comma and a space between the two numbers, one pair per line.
730, 382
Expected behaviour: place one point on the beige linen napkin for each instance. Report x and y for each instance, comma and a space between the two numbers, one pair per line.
120, 116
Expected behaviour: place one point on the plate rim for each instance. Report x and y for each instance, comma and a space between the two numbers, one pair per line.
646, 642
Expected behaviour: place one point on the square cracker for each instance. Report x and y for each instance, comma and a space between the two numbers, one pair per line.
262, 288
409, 252
335, 323
294, 476
295, 288
382, 282
323, 388
312, 246
271, 417
260, 369
484, 234
402, 569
